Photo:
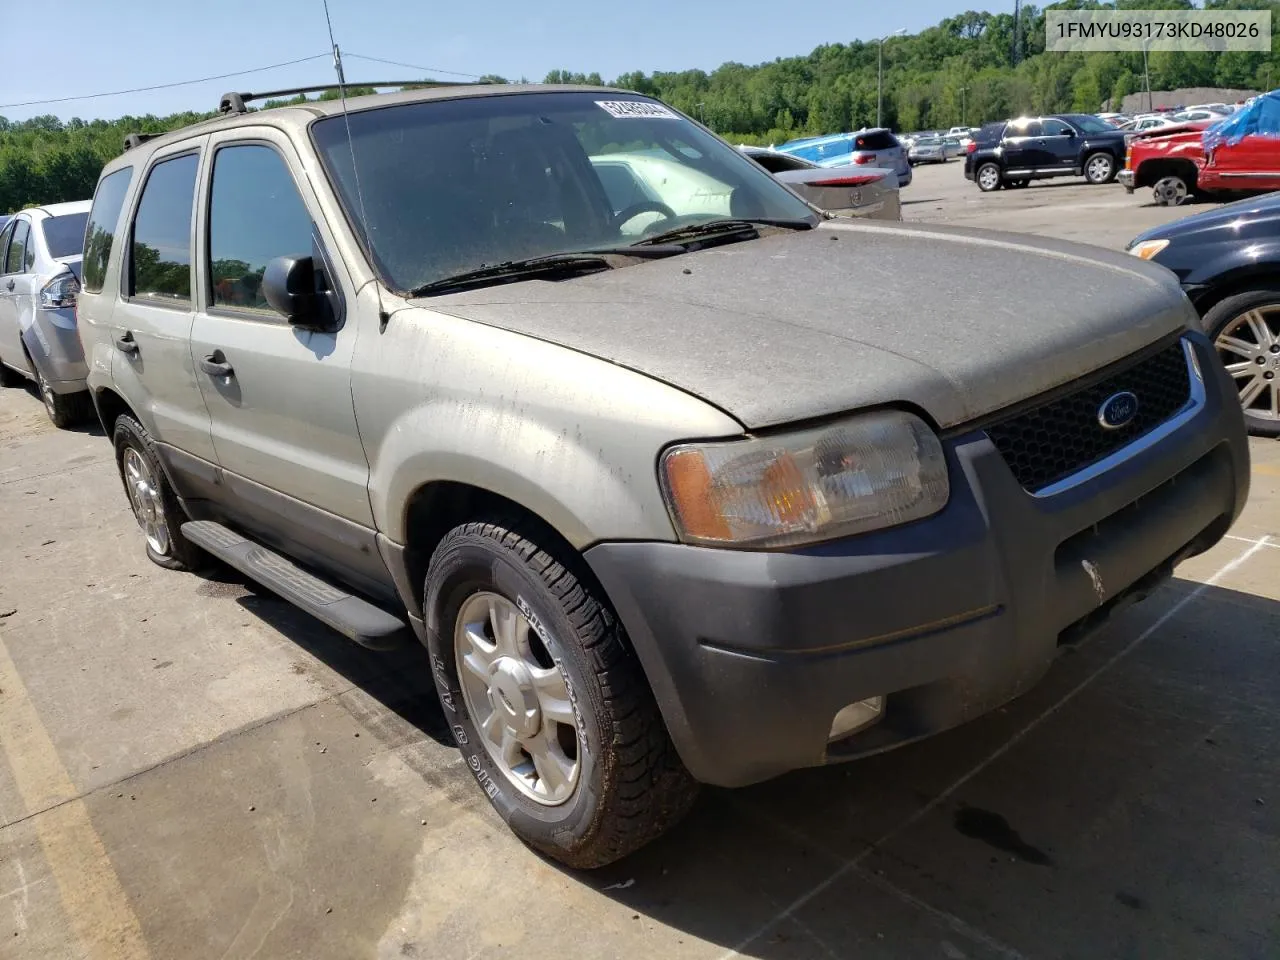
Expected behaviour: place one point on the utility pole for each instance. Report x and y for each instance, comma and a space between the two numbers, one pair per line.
1146, 73
1017, 31
880, 75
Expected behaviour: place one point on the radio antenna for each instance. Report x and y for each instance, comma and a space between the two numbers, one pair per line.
383, 316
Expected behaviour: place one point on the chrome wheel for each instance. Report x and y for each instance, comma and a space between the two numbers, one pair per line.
1249, 346
144, 497
47, 395
1170, 191
517, 697
989, 177
1098, 169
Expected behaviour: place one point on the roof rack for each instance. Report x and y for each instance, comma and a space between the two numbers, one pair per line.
235, 102
137, 140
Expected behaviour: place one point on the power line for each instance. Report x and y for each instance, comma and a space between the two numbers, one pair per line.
163, 86
414, 66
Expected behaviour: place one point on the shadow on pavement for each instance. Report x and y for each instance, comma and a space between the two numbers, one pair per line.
1128, 800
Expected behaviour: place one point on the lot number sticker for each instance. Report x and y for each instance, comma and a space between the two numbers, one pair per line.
635, 109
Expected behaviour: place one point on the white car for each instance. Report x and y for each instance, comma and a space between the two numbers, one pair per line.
1196, 114
1151, 121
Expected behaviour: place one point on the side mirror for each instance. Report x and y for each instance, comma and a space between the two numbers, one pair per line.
289, 285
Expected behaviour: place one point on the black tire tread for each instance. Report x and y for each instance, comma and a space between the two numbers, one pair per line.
646, 787
70, 409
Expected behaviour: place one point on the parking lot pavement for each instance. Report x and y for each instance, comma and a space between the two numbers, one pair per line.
1065, 207
194, 769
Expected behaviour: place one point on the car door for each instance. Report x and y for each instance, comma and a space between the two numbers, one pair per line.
279, 396
151, 322
1021, 145
1060, 144
1250, 163
15, 291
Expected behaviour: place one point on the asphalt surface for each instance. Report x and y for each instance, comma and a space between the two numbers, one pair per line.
193, 769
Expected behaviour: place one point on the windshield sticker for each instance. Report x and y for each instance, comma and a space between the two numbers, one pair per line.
635, 109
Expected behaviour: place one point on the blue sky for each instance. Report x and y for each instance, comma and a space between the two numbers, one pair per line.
91, 47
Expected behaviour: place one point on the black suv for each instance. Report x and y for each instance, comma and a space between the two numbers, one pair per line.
1015, 152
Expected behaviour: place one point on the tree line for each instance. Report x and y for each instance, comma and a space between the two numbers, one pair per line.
967, 69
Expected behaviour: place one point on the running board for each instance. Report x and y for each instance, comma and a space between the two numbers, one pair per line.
354, 618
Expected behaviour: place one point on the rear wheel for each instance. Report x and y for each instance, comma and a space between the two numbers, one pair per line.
545, 699
155, 505
1171, 191
1099, 168
1245, 330
988, 177
64, 409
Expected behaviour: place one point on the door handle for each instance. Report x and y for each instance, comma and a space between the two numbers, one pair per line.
125, 344
215, 365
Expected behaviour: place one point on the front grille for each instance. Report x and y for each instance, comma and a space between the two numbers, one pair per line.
1054, 440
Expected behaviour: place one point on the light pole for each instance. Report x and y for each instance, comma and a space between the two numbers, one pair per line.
1146, 72
880, 74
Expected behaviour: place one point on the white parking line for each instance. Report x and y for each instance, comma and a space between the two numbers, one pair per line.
855, 863
1266, 541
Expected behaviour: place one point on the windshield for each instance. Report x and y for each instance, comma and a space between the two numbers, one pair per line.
451, 186
64, 236
1087, 124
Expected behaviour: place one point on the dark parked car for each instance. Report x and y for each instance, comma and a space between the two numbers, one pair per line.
1228, 262
1013, 153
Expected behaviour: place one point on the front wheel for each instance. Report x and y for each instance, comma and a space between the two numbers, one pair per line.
64, 409
1171, 191
1100, 168
1245, 330
988, 177
547, 703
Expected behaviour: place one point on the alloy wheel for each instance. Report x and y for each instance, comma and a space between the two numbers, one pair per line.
1249, 346
1170, 191
144, 497
518, 698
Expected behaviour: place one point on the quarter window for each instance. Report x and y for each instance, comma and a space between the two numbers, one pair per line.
100, 232
255, 215
160, 265
17, 247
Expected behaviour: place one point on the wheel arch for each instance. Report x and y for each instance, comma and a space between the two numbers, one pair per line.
109, 405
1238, 280
1150, 171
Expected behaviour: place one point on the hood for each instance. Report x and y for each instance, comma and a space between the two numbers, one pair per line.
959, 323
1246, 219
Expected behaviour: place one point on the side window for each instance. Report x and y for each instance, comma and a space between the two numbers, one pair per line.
100, 232
1056, 128
17, 247
5, 235
160, 260
1034, 129
255, 215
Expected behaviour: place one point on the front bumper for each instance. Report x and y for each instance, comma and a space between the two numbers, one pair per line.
1125, 179
751, 654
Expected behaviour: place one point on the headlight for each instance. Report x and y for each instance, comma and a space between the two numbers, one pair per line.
865, 473
1148, 248
60, 292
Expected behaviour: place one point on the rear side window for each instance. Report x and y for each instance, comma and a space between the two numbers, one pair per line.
160, 264
876, 140
17, 252
255, 215
990, 133
100, 231
64, 236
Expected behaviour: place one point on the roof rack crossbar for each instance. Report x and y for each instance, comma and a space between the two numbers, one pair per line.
235, 102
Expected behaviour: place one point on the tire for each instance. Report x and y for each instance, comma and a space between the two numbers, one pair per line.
1099, 168
988, 177
1171, 191
64, 409
166, 546
1231, 318
627, 785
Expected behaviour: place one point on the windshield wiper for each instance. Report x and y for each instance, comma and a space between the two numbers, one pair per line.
562, 264
727, 227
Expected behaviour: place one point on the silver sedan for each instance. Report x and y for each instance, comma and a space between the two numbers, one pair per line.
870, 192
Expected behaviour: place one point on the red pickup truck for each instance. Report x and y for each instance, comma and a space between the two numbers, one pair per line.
1240, 153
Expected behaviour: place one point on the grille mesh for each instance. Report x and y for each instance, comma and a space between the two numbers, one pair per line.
1052, 441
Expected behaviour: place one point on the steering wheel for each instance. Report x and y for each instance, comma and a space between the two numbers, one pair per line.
644, 206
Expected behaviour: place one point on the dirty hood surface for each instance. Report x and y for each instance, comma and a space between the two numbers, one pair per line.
959, 323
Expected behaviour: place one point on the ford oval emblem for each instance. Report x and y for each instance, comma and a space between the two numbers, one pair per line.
1118, 410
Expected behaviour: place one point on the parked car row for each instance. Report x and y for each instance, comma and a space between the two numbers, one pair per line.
646, 451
